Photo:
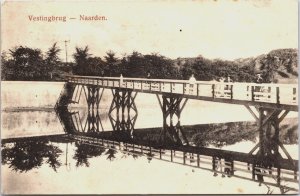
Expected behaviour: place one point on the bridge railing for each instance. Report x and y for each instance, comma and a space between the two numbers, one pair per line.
265, 92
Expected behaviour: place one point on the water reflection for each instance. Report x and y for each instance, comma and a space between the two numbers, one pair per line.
216, 135
201, 148
18, 123
23, 156
111, 153
159, 143
84, 151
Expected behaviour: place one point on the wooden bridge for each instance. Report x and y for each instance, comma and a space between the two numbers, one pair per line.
269, 104
278, 96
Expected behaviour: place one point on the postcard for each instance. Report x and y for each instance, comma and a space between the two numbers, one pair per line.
149, 97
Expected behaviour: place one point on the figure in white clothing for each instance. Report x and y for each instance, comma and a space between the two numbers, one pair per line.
192, 82
222, 86
259, 79
121, 80
229, 79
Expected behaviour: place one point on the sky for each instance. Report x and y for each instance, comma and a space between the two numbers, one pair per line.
226, 29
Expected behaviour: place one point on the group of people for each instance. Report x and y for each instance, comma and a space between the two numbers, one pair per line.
222, 80
221, 87
259, 79
193, 80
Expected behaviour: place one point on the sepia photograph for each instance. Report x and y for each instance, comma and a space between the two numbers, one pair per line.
149, 97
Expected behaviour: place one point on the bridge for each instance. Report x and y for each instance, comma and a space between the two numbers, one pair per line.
268, 103
279, 96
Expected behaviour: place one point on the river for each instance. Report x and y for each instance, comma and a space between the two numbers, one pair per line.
27, 111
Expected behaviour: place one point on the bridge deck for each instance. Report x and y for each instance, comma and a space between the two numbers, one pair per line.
280, 96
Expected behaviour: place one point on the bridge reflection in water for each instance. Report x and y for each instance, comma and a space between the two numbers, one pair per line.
185, 145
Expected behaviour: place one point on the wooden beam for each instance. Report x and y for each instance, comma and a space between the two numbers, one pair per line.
283, 116
253, 149
133, 98
183, 105
160, 104
285, 151
113, 101
252, 113
86, 97
98, 101
79, 120
100, 122
270, 116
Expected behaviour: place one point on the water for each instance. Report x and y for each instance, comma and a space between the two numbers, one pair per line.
80, 167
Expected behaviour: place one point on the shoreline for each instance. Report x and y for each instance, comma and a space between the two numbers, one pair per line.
28, 109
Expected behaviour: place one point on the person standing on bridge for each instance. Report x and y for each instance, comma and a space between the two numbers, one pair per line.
229, 79
121, 80
192, 82
259, 79
222, 86
148, 75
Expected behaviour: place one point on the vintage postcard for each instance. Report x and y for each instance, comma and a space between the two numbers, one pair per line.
149, 97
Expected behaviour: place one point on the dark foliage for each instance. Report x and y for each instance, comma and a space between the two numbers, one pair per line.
30, 64
24, 63
24, 156
84, 152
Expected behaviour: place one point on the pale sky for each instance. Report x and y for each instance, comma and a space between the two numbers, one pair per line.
226, 29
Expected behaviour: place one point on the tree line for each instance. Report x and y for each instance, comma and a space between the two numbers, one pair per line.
24, 63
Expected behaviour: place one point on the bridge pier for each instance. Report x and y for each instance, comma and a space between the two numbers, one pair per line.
267, 148
93, 95
268, 121
171, 107
94, 121
122, 106
75, 124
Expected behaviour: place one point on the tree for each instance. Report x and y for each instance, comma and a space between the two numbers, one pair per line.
52, 58
5, 66
28, 64
159, 66
81, 57
135, 65
52, 55
111, 60
95, 66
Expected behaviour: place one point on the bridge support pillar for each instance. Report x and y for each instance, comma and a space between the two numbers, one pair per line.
269, 144
93, 121
120, 112
71, 93
93, 95
171, 108
268, 121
